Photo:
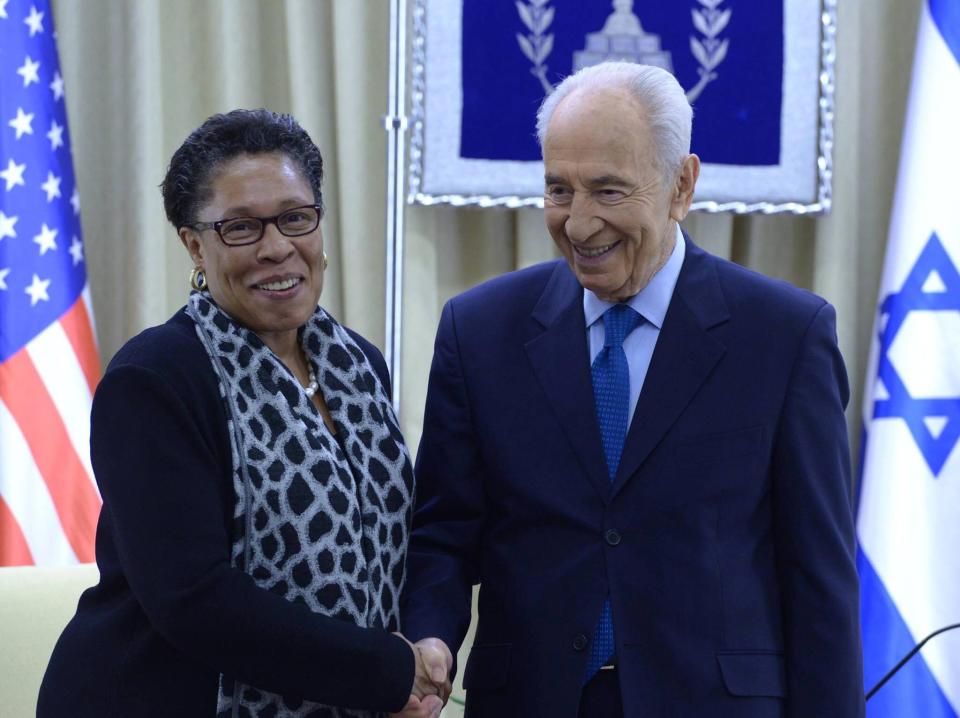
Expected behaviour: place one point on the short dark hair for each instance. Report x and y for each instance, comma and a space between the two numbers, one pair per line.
187, 184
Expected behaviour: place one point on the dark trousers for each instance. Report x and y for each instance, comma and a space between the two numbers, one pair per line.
601, 696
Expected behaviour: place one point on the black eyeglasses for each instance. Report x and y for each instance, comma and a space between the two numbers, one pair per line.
238, 231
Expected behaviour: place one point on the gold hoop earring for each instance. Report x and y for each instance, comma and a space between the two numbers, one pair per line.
198, 279
325, 262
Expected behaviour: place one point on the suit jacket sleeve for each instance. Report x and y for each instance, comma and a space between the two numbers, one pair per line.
814, 533
448, 520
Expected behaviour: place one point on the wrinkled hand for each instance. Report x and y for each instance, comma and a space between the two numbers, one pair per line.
433, 662
438, 661
429, 707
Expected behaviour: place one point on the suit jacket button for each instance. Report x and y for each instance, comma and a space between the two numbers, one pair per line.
612, 536
579, 642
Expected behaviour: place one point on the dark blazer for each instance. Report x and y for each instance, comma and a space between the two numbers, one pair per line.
726, 541
170, 614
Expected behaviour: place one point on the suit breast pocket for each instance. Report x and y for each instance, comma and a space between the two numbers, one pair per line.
701, 468
719, 449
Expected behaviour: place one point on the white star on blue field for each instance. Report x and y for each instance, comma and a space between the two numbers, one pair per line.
896, 307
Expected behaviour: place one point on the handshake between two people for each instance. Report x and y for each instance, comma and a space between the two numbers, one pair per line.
431, 679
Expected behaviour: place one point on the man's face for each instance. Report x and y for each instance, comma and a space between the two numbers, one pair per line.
608, 208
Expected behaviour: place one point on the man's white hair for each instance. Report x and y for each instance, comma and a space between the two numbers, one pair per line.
664, 103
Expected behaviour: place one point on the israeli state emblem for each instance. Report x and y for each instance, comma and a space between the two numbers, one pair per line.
482, 68
622, 38
918, 367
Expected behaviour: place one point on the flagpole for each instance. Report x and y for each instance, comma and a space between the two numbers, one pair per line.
395, 123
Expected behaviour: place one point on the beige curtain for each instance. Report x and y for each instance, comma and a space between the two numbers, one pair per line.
141, 74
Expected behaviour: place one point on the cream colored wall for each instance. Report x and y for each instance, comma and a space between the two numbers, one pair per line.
140, 74
35, 606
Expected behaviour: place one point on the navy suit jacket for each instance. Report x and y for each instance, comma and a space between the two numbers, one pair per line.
725, 543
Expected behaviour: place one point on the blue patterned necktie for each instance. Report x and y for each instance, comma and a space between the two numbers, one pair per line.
611, 391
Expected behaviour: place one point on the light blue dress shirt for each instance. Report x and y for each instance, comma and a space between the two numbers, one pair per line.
650, 303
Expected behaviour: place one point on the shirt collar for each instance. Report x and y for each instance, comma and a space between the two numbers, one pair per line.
652, 301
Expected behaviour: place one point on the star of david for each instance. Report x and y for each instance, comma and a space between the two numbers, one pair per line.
935, 446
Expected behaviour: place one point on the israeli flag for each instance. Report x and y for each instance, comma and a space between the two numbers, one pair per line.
909, 514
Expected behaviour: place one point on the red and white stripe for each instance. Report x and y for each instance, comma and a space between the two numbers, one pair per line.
49, 502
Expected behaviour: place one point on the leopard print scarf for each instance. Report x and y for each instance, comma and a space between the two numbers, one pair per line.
311, 522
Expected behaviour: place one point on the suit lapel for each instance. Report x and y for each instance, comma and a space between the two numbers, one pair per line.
561, 362
684, 356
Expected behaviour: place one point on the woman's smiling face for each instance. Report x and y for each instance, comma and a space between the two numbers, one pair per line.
272, 286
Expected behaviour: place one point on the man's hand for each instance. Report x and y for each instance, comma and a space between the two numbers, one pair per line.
433, 663
439, 662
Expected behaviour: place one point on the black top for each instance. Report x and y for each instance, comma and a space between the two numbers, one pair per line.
170, 613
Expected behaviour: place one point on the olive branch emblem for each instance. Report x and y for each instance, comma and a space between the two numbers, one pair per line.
537, 45
708, 48
709, 51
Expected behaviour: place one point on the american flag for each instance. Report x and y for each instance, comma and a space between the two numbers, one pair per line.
48, 356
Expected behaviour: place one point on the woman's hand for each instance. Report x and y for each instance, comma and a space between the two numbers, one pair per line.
429, 707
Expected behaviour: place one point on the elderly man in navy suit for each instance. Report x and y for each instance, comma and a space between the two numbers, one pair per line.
638, 451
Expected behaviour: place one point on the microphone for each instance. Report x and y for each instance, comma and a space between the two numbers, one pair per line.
903, 661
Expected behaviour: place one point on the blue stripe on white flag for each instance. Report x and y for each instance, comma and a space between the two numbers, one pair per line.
946, 16
908, 522
913, 691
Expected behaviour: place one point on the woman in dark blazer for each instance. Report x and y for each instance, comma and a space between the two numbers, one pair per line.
256, 487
